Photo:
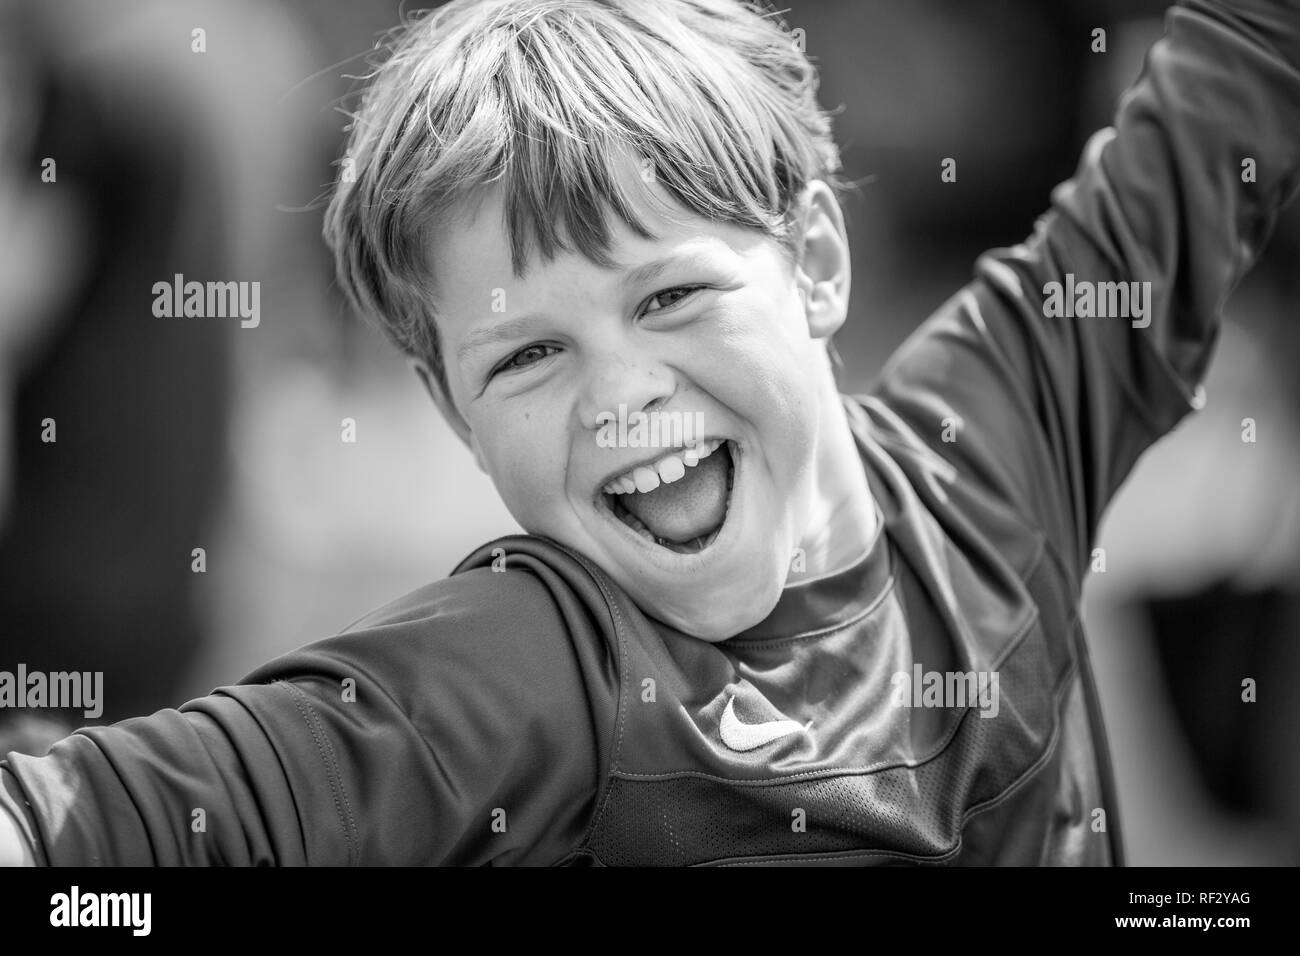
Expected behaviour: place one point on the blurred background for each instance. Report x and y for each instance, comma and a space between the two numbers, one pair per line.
177, 434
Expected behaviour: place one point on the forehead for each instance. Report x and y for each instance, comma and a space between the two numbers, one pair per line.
469, 253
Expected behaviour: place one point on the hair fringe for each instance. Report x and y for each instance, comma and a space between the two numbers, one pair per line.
551, 100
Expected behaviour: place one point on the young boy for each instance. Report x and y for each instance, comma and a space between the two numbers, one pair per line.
754, 621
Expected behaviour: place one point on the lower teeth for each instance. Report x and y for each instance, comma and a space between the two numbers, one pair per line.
698, 543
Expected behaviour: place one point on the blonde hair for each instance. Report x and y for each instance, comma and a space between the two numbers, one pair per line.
548, 98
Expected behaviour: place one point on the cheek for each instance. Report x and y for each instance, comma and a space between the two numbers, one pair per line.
772, 380
524, 458
769, 373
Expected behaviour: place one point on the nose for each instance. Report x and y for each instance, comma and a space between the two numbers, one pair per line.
639, 383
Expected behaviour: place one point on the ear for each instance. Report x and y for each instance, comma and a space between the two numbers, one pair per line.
822, 268
450, 413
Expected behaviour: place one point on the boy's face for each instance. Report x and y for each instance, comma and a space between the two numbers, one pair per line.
704, 318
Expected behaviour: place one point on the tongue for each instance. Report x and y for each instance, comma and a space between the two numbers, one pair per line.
689, 507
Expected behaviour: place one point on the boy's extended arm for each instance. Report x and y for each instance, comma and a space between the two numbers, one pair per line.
1052, 412
456, 725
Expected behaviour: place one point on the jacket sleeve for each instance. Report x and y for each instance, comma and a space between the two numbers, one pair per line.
454, 726
1050, 413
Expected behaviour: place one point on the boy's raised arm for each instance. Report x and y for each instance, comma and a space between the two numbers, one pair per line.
1074, 351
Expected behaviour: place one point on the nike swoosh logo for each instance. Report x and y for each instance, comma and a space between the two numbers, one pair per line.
743, 737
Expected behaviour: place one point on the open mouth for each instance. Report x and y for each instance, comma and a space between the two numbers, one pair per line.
679, 502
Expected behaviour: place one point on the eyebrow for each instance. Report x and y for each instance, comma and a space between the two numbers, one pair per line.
652, 270
508, 329
517, 327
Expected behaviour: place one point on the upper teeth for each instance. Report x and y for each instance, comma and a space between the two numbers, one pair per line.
667, 469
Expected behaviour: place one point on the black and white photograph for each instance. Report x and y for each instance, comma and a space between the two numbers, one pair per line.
651, 433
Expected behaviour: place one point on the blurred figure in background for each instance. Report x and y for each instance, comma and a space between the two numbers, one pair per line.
99, 523
126, 156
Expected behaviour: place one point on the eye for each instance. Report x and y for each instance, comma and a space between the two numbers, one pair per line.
672, 296
526, 356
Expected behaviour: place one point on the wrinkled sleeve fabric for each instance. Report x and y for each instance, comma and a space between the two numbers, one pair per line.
453, 726
1051, 413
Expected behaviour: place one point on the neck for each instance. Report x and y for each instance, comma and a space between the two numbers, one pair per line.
842, 520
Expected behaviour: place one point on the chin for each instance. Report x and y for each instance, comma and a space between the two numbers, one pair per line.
717, 613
